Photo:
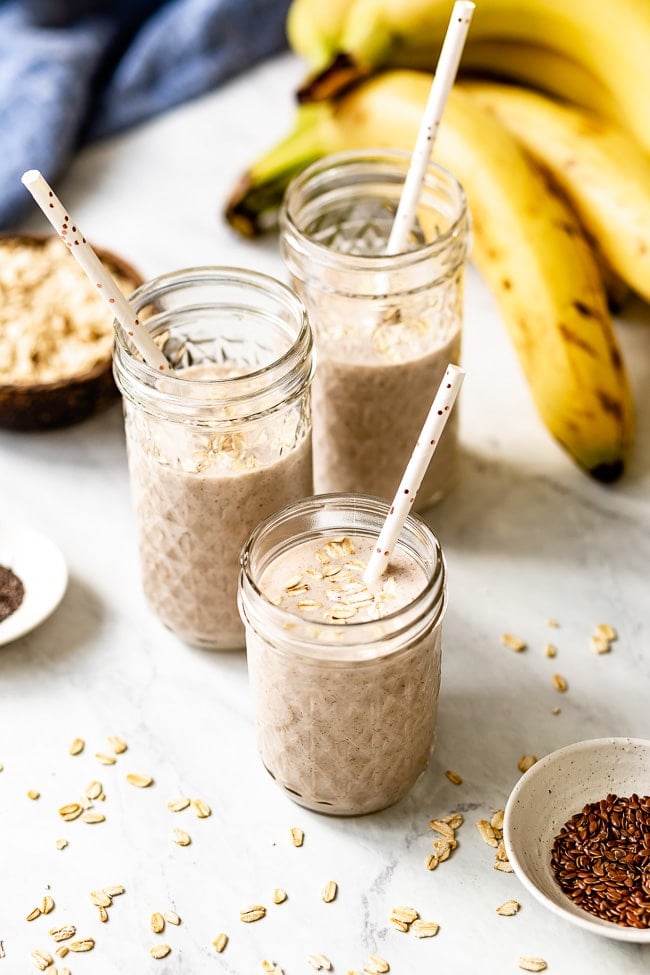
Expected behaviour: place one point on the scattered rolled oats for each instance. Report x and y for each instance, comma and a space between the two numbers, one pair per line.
442, 848
178, 805
402, 926
504, 866
279, 896
559, 683
63, 933
508, 908
254, 913
532, 964
118, 745
271, 968
61, 844
497, 819
606, 631
556, 710
48, 905
405, 914
454, 777
157, 922
320, 963
550, 650
139, 781
42, 959
513, 642
77, 746
71, 811
172, 918
93, 817
377, 965
103, 914
431, 862
220, 942
329, 891
424, 929
526, 762
487, 832
86, 944
64, 971
297, 836
62, 951
100, 898
443, 827
33, 914
94, 790
33, 794
501, 852
105, 759
455, 820
201, 808
180, 837
159, 951
114, 890
598, 645
552, 623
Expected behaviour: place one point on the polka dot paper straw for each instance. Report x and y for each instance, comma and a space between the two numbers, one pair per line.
446, 69
77, 244
415, 471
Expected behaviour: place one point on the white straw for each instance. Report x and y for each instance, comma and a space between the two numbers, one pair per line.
74, 240
415, 471
445, 75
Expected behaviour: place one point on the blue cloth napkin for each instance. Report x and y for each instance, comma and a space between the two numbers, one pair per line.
76, 70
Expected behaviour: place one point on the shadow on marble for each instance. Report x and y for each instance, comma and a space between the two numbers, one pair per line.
69, 632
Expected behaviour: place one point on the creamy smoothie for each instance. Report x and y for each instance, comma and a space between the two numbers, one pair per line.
386, 325
344, 730
194, 514
373, 389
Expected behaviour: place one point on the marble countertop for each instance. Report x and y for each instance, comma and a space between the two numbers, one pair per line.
527, 537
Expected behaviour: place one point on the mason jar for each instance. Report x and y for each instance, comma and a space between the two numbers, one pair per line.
344, 683
385, 326
219, 444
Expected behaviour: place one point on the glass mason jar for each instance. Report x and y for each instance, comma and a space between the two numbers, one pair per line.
220, 444
345, 711
385, 326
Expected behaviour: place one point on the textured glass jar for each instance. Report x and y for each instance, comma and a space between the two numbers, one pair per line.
219, 445
346, 714
385, 327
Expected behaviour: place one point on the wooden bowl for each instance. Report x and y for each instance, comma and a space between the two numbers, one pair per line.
76, 395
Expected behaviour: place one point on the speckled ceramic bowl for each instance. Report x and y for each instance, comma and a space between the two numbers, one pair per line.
549, 794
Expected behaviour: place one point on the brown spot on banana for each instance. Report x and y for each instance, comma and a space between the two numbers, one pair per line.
585, 310
506, 284
610, 405
576, 340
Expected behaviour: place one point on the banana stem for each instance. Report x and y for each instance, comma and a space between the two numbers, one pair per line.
252, 207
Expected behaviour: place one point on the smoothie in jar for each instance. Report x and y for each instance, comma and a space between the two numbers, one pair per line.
344, 679
385, 326
220, 444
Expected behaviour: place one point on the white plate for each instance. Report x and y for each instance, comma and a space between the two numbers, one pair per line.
546, 797
40, 566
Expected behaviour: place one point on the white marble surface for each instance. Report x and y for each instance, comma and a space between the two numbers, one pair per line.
527, 536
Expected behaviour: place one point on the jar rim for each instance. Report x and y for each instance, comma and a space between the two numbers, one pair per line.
358, 635
224, 392
371, 262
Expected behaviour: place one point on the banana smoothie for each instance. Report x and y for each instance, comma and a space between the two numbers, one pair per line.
385, 326
344, 679
218, 443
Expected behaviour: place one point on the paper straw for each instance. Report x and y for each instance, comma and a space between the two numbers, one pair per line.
445, 75
77, 244
415, 471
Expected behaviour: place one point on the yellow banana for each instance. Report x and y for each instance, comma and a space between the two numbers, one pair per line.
601, 170
314, 29
539, 67
610, 40
527, 245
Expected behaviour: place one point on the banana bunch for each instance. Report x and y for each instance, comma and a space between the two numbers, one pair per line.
559, 193
590, 51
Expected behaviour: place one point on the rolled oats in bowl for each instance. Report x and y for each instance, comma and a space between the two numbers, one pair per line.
56, 334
